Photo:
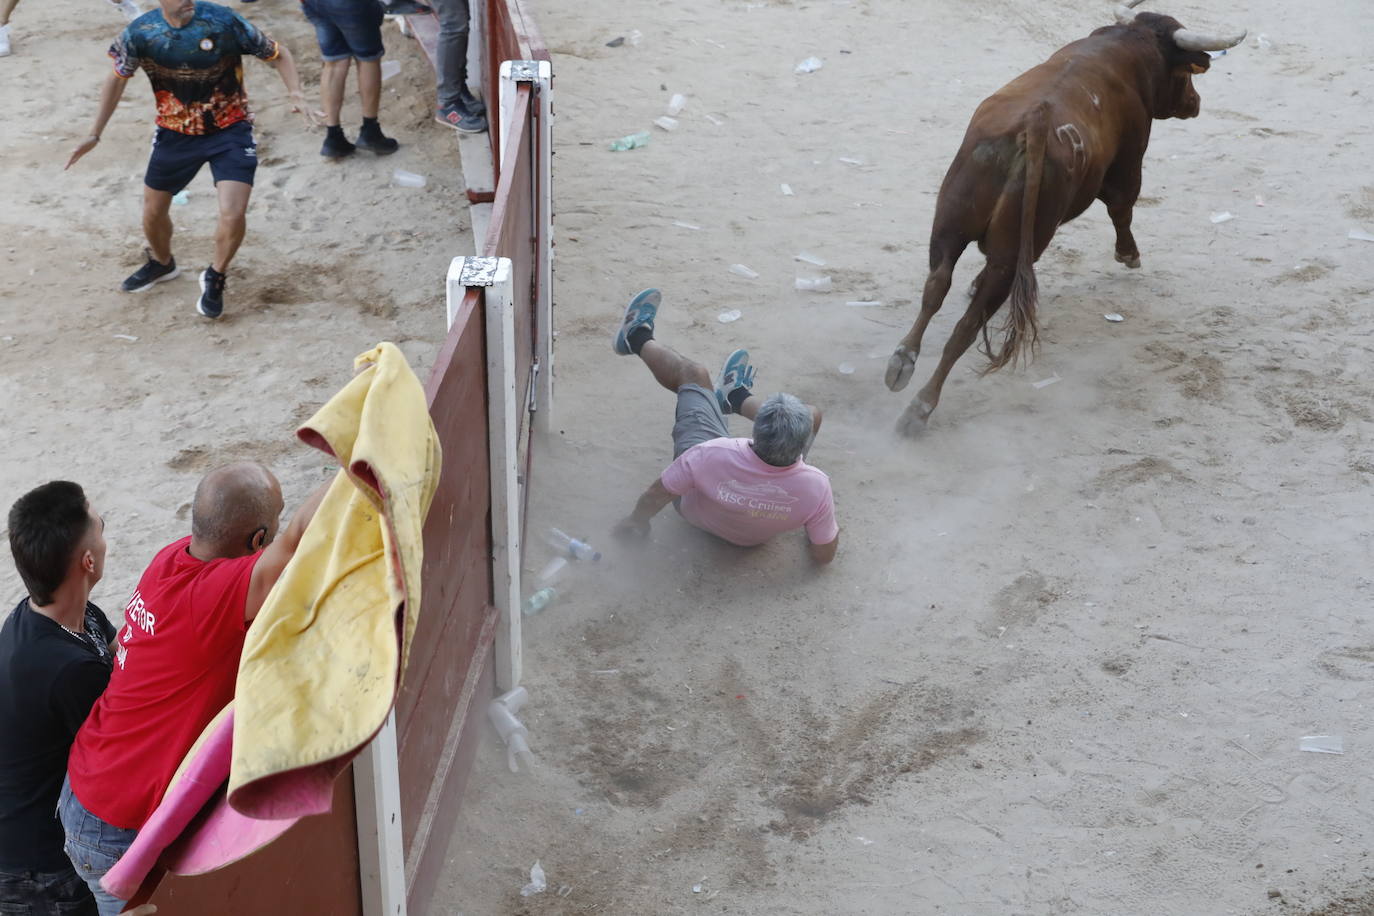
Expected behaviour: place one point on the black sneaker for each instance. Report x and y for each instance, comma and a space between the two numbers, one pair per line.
149, 274
371, 138
336, 146
460, 119
211, 301
471, 102
405, 8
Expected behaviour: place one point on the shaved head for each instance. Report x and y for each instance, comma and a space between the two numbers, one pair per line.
233, 503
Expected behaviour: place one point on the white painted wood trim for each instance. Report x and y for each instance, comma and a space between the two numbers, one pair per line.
503, 418
454, 290
544, 335
377, 807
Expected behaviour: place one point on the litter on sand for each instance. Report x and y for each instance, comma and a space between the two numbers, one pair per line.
864, 303
666, 123
681, 225
1223, 217
850, 160
1113, 316
810, 65
808, 258
180, 198
128, 337
408, 179
1360, 235
744, 271
1046, 382
1322, 744
676, 104
537, 884
727, 317
813, 284
846, 369
390, 68
714, 120
786, 190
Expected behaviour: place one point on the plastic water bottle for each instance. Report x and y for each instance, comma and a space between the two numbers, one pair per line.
630, 141
538, 601
572, 547
814, 284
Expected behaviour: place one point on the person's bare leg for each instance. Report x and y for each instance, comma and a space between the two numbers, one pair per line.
370, 86
333, 81
750, 409
157, 223
671, 369
233, 221
7, 7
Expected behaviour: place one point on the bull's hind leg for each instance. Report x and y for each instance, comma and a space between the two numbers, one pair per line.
993, 288
902, 363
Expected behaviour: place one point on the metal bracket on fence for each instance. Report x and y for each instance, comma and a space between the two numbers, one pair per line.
479, 271
532, 401
524, 71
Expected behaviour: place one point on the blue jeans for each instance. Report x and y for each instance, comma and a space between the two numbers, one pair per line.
38, 893
93, 846
451, 66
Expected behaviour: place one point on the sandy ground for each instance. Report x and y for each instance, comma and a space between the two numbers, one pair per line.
1075, 632
336, 259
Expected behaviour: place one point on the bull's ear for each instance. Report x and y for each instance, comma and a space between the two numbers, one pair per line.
1197, 68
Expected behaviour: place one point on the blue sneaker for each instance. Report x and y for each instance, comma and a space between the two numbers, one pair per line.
639, 313
735, 374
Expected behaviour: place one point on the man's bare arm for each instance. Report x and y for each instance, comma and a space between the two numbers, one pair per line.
824, 553
111, 91
285, 66
273, 561
650, 503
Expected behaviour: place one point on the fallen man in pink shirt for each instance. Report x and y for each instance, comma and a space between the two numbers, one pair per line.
745, 491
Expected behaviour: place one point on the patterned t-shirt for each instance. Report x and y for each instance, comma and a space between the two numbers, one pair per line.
196, 70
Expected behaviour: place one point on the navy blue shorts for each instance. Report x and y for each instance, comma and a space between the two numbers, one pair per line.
346, 28
232, 154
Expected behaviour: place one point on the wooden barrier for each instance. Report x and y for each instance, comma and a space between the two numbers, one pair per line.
381, 849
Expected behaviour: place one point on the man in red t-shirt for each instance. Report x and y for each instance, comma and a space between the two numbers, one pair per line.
176, 660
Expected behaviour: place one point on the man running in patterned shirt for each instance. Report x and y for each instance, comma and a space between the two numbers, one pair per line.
192, 52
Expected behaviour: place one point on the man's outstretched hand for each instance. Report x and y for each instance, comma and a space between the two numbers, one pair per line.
631, 529
85, 147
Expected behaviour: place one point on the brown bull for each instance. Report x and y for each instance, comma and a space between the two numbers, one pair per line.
1036, 155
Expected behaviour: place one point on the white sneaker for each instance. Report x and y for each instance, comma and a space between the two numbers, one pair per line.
5, 40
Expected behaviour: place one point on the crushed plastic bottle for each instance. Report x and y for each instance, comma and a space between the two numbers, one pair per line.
408, 179
666, 123
538, 601
746, 272
814, 284
501, 713
810, 65
571, 546
807, 258
180, 198
786, 190
676, 104
1322, 744
630, 141
729, 316
538, 883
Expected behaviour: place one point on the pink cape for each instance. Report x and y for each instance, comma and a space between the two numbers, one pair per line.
193, 830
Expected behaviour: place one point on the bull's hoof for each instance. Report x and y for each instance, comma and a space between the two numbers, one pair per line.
1130, 260
901, 365
913, 420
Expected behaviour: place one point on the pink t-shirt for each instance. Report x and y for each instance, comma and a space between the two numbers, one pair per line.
729, 491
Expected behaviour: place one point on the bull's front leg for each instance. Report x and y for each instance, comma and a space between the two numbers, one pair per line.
1119, 193
902, 363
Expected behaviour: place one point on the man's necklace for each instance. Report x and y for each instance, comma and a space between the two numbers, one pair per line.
81, 636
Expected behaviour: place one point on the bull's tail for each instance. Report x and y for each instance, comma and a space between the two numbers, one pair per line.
1021, 336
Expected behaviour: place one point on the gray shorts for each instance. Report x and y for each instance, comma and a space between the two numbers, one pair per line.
698, 418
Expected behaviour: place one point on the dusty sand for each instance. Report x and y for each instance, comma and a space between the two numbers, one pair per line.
1075, 632
335, 260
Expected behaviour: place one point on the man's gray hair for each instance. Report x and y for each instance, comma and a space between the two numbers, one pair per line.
782, 430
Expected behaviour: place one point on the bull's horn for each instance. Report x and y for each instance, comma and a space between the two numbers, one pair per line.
1125, 14
1197, 41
